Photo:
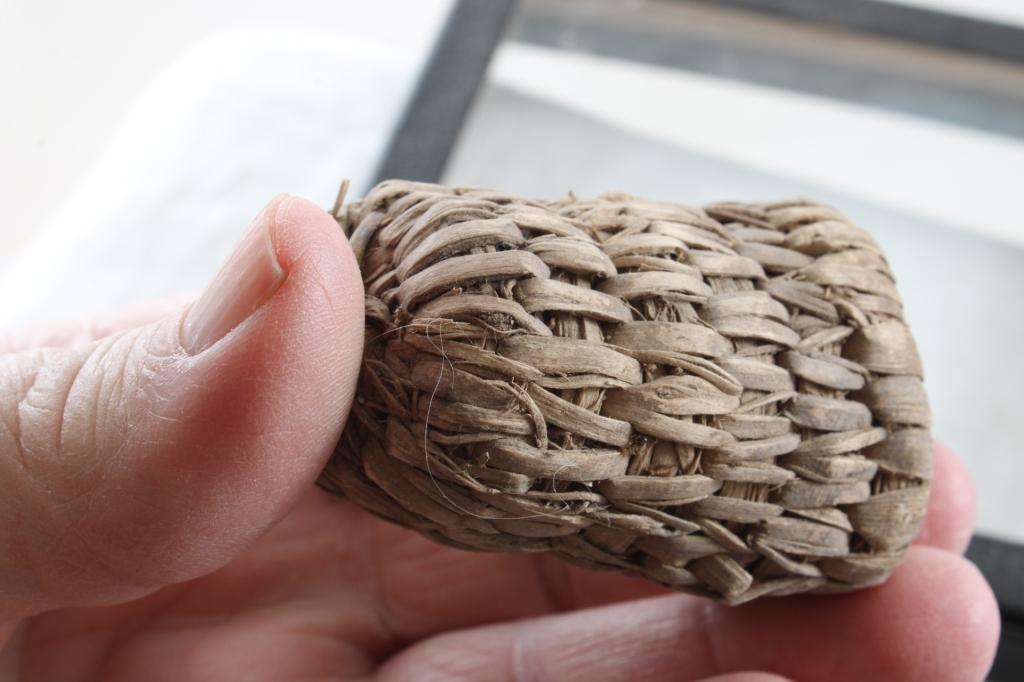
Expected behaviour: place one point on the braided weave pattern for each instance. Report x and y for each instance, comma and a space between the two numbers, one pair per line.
722, 400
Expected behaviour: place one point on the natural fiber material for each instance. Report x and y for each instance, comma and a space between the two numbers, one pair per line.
723, 400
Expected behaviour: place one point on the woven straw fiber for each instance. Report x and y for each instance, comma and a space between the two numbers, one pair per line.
722, 400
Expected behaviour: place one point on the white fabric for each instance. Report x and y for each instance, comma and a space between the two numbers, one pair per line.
240, 117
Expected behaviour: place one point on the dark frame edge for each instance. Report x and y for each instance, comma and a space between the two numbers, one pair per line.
431, 123
1002, 564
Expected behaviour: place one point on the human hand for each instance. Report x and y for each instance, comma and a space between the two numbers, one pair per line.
159, 522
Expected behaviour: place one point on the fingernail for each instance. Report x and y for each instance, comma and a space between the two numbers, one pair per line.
246, 281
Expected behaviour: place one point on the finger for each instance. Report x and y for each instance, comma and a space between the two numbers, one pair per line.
156, 454
948, 524
74, 333
899, 631
431, 588
949, 521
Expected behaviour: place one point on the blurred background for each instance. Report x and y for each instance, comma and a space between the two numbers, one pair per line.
139, 138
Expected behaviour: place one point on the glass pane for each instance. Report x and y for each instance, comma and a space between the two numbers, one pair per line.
694, 103
1003, 11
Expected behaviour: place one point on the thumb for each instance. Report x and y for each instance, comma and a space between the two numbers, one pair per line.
156, 454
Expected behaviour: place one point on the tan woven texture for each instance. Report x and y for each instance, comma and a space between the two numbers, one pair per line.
724, 400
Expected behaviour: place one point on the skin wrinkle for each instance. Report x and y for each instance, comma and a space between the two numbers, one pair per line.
154, 344
147, 390
136, 626
15, 605
384, 616
44, 638
104, 358
23, 404
62, 409
330, 546
10, 438
89, 494
16, 430
99, 401
179, 336
39, 531
553, 580
349, 654
282, 224
521, 658
668, 636
136, 444
618, 649
138, 342
125, 578
62, 560
707, 615
339, 636
661, 641
131, 381
328, 305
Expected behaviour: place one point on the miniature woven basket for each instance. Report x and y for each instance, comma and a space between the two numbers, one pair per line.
724, 400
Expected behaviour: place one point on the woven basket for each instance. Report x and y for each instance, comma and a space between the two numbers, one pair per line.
722, 400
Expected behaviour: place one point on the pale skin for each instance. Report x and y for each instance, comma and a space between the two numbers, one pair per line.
159, 521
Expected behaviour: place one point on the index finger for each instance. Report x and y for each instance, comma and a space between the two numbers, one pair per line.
949, 521
432, 588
